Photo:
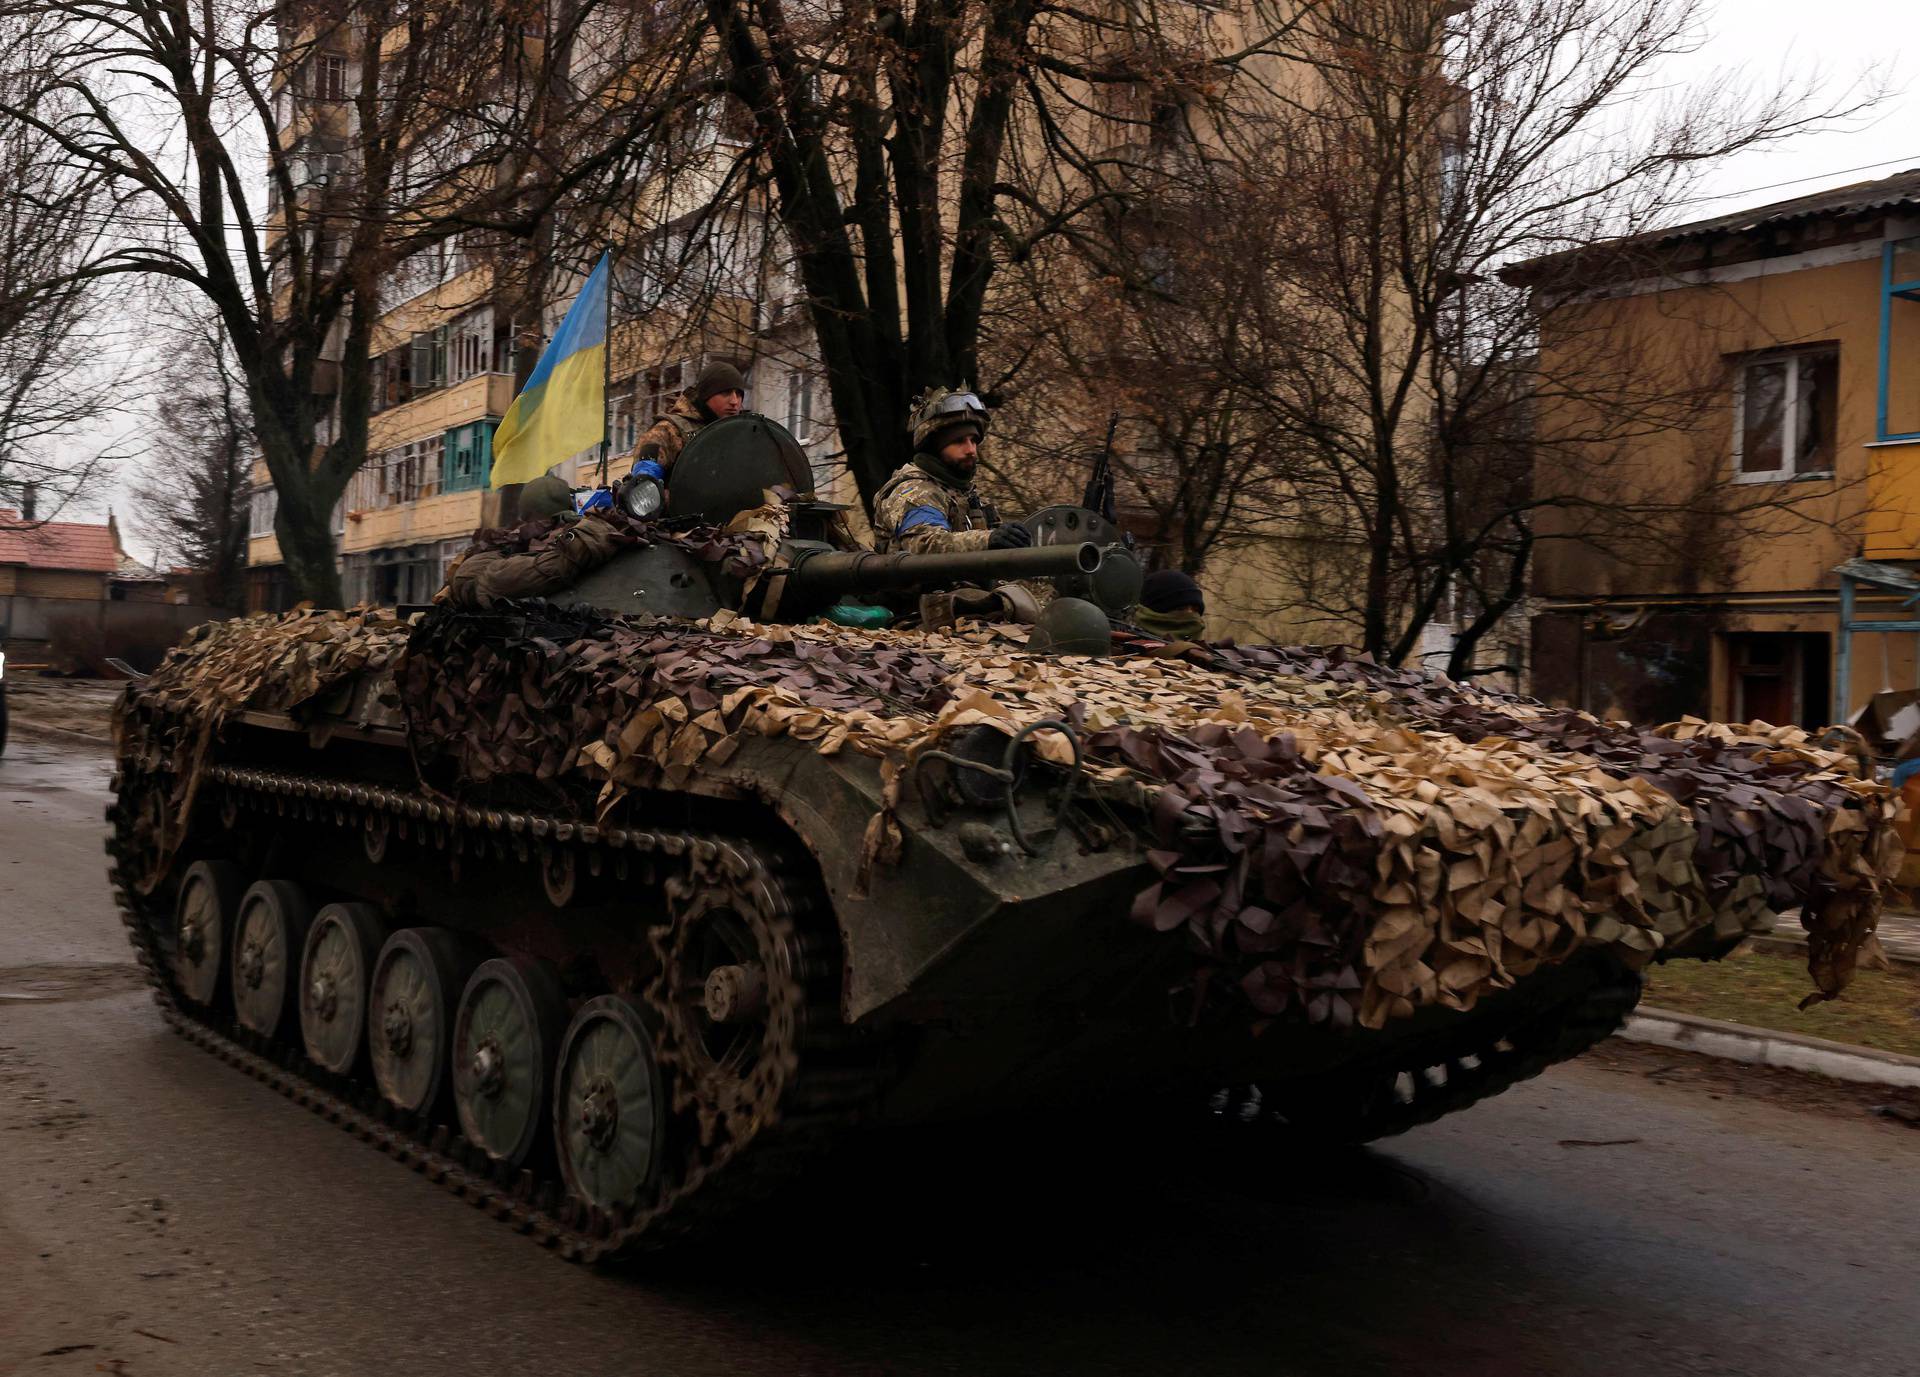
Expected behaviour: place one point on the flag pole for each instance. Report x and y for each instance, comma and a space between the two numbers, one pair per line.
606, 379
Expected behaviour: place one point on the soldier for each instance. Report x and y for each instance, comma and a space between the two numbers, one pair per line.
930, 505
482, 577
1172, 605
718, 392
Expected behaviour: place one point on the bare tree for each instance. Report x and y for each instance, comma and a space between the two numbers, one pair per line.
52, 215
1452, 143
903, 155
1178, 343
1308, 322
282, 161
196, 484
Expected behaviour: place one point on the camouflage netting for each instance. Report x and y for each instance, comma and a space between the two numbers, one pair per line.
1336, 841
744, 546
170, 720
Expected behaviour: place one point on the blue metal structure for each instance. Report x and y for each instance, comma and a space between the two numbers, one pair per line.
1887, 577
1889, 292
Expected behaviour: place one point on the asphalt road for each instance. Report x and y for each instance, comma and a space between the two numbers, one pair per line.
160, 1213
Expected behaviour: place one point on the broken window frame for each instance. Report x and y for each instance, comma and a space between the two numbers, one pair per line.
1793, 459
328, 77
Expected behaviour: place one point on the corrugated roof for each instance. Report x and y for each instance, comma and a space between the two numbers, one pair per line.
1635, 254
57, 545
1857, 198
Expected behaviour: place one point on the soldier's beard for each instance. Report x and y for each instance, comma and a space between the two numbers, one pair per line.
957, 474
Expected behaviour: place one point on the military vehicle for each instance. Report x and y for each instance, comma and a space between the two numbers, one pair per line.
611, 910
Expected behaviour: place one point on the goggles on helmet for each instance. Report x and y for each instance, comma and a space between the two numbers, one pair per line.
948, 408
958, 403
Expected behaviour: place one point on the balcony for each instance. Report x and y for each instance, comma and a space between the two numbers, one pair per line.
441, 517
472, 399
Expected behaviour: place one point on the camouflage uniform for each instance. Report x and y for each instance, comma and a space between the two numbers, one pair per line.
480, 578
670, 432
919, 513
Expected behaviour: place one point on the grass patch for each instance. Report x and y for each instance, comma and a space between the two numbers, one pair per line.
1880, 1009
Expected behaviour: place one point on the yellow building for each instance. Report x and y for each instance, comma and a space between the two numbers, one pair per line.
443, 370
1799, 324
693, 287
443, 379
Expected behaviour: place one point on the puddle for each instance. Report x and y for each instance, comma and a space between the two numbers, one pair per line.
63, 984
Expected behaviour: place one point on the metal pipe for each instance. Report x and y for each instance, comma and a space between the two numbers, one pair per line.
1842, 706
830, 571
1886, 344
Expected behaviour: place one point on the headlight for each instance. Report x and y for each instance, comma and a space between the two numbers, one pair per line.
643, 497
3, 664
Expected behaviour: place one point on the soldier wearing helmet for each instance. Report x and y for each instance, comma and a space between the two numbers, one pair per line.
718, 392
930, 505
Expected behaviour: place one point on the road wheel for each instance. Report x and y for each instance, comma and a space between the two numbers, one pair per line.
269, 933
610, 1107
208, 895
342, 946
506, 1037
410, 1004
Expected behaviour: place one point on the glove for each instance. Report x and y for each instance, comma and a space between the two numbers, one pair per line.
1009, 535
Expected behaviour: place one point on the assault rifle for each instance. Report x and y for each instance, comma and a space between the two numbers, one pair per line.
1099, 496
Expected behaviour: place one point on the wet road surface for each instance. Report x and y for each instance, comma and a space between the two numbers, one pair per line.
162, 1214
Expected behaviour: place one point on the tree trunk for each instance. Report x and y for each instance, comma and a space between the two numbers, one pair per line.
306, 548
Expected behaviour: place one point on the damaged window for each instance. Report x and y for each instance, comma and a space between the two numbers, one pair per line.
1784, 412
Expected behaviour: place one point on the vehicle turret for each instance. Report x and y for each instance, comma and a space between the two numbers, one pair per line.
733, 464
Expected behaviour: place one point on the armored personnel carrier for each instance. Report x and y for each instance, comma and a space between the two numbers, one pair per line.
609, 911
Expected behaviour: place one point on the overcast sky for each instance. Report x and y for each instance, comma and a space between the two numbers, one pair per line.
1842, 40
1847, 41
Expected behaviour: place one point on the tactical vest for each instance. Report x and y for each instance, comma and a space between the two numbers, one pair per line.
970, 502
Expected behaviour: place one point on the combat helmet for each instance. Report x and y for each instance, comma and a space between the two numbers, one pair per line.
939, 408
544, 497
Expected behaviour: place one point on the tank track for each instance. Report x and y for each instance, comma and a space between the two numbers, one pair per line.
1362, 1106
727, 1177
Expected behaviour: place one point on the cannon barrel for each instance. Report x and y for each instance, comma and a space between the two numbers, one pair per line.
830, 571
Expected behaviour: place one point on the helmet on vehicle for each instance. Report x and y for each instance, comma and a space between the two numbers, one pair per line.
943, 408
546, 496
1071, 626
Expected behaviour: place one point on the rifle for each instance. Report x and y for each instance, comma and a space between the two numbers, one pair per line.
1099, 496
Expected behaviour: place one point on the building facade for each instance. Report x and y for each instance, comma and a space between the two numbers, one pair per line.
1803, 319
71, 595
696, 287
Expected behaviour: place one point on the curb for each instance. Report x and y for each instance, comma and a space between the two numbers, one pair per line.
21, 726
1764, 1047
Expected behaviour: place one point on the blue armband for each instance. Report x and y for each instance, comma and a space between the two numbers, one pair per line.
923, 516
646, 468
599, 500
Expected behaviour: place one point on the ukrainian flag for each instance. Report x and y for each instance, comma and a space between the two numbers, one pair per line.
563, 408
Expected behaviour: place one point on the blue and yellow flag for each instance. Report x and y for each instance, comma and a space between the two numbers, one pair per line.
563, 408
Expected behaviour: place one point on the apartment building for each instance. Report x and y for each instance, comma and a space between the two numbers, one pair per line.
689, 291
442, 367
1807, 313
445, 365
